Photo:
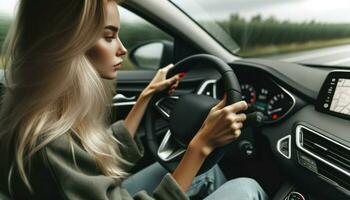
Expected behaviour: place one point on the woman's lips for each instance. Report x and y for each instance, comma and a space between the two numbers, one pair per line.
118, 66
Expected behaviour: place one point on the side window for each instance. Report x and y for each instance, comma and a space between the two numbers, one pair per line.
6, 17
149, 47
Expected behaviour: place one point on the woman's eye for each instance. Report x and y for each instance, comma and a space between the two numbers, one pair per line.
109, 39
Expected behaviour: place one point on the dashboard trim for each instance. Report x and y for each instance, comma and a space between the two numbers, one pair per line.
204, 86
289, 146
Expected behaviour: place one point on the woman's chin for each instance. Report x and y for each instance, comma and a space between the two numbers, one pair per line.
110, 76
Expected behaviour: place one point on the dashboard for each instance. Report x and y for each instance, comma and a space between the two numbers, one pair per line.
312, 146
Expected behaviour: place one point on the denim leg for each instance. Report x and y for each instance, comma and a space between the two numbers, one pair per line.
146, 179
239, 189
149, 178
206, 183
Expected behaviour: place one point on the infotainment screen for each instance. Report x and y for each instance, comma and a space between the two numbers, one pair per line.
341, 98
334, 96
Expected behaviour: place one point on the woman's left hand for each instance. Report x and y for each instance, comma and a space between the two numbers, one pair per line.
160, 82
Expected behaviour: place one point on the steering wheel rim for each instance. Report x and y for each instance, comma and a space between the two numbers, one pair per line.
232, 89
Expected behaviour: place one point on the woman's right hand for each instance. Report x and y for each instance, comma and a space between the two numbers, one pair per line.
222, 126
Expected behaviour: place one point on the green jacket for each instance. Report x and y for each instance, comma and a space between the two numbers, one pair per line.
53, 174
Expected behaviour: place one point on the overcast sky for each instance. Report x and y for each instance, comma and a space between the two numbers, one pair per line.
293, 10
337, 11
7, 7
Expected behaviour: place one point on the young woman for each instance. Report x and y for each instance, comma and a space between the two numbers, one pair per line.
55, 139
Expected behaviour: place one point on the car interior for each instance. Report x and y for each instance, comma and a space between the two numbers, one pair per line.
296, 143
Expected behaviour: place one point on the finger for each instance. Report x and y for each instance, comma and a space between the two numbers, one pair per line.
240, 117
237, 125
173, 87
221, 104
182, 74
237, 133
168, 67
239, 106
176, 84
172, 80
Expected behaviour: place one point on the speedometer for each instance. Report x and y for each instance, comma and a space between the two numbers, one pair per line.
248, 93
278, 106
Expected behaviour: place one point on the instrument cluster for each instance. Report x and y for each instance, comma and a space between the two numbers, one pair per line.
263, 94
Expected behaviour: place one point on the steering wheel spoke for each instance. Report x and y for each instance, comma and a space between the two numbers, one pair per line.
165, 105
169, 148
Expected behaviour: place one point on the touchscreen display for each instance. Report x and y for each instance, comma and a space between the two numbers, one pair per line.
334, 96
341, 99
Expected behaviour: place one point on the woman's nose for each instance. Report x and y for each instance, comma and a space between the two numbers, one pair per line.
121, 49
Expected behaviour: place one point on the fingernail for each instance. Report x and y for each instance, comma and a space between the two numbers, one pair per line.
182, 74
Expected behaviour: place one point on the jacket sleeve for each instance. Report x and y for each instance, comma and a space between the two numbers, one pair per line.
131, 149
77, 180
83, 179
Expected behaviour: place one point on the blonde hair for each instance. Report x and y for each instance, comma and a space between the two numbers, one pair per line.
51, 86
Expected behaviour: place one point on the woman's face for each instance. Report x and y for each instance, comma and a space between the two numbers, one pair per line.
106, 55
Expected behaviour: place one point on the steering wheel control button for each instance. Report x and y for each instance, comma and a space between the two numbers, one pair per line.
284, 146
295, 196
326, 105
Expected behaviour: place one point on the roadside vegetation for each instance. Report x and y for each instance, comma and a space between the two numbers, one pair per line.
257, 37
261, 37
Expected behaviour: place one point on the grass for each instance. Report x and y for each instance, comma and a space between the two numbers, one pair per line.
260, 51
1, 62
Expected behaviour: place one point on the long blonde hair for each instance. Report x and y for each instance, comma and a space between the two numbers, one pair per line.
51, 86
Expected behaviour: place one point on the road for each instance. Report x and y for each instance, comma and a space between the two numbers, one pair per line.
333, 56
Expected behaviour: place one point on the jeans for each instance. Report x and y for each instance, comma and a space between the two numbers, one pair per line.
209, 185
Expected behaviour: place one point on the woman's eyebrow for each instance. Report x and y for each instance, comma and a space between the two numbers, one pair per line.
112, 28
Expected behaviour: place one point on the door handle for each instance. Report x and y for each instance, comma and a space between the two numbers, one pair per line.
121, 97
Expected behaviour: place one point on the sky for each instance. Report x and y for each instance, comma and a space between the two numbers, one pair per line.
333, 11
7, 7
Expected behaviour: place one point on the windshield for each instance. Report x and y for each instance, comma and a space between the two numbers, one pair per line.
305, 31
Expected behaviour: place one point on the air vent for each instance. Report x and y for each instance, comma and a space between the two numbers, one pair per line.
166, 104
334, 175
333, 158
326, 149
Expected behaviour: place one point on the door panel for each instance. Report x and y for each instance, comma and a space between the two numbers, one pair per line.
129, 85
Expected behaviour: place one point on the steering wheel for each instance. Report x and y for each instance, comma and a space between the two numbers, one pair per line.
187, 114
